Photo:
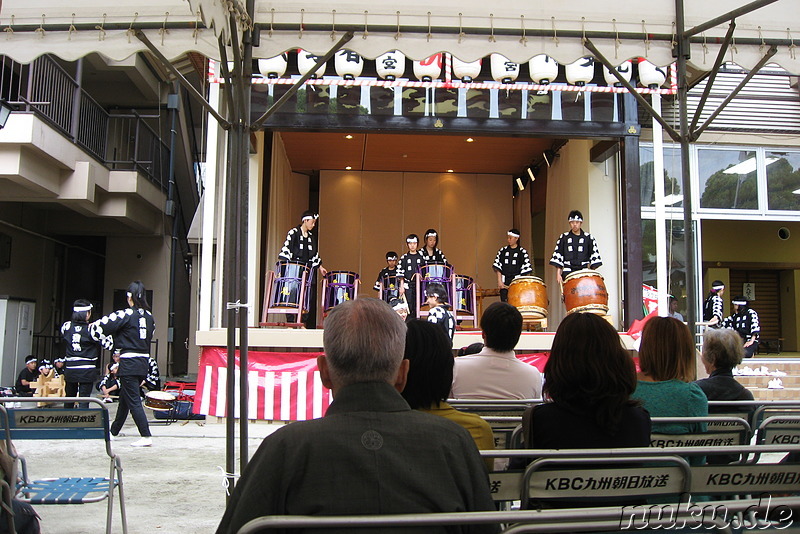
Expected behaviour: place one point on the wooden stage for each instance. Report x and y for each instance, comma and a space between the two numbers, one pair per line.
311, 339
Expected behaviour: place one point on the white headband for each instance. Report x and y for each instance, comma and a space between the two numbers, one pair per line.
575, 218
129, 294
512, 234
431, 234
400, 306
79, 309
309, 217
412, 240
717, 288
391, 258
739, 302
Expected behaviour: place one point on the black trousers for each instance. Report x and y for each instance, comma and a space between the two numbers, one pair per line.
130, 401
78, 389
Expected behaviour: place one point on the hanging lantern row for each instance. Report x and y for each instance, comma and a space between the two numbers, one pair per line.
391, 66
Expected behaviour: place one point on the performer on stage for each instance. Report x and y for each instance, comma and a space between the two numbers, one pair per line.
393, 291
430, 252
745, 321
575, 250
301, 247
410, 263
83, 353
26, 376
438, 314
511, 261
712, 306
131, 331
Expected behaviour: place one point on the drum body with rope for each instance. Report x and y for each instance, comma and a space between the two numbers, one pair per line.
465, 295
585, 292
529, 295
287, 284
390, 287
436, 272
339, 287
159, 400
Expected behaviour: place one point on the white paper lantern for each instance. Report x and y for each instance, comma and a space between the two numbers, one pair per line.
348, 64
273, 67
428, 69
580, 72
650, 75
625, 69
466, 71
505, 70
391, 65
544, 69
306, 61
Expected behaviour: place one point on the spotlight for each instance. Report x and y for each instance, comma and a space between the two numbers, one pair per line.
520, 183
546, 159
531, 174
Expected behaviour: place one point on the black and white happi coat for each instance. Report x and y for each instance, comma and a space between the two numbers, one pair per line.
409, 265
437, 256
712, 307
439, 315
745, 322
575, 252
299, 249
83, 353
512, 262
131, 331
393, 291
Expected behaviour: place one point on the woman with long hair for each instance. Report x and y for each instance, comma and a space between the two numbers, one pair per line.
665, 387
131, 331
589, 379
430, 376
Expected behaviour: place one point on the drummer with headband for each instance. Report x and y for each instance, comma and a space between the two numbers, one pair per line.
410, 262
430, 251
575, 250
301, 247
389, 273
511, 261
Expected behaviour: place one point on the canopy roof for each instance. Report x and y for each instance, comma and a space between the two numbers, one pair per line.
469, 29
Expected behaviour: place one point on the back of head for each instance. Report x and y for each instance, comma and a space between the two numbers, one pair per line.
364, 340
436, 290
667, 350
716, 285
502, 325
138, 295
79, 310
722, 348
430, 373
589, 370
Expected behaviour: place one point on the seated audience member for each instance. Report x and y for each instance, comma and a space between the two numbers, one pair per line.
28, 375
495, 372
590, 380
371, 453
430, 375
722, 351
665, 387
26, 520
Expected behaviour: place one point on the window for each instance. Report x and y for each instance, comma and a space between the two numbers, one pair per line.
783, 180
727, 179
672, 176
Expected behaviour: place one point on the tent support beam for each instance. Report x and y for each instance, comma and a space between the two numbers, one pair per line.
293, 89
696, 133
639, 98
713, 75
727, 17
182, 80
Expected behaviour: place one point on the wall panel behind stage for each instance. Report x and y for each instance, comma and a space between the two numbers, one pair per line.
365, 214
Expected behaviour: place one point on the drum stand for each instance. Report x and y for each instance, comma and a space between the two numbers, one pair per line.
271, 307
325, 284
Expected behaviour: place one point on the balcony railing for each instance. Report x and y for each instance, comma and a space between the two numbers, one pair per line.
120, 141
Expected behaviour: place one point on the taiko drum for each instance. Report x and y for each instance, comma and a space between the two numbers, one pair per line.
529, 295
585, 292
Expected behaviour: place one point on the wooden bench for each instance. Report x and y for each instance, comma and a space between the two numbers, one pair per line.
57, 424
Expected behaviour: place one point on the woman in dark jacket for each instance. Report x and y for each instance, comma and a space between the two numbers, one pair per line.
83, 353
129, 330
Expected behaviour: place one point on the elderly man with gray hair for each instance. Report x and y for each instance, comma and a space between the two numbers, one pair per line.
370, 453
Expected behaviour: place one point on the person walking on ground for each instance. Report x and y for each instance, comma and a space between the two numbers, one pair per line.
83, 353
131, 331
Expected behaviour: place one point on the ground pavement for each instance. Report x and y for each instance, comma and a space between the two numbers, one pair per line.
175, 486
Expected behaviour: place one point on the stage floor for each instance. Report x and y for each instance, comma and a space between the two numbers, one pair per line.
311, 339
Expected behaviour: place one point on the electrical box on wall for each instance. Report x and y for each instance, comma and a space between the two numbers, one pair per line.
5, 251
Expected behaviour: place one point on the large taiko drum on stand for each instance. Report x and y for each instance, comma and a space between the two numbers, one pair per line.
390, 287
436, 272
585, 292
340, 286
464, 303
287, 285
529, 295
